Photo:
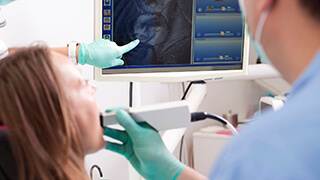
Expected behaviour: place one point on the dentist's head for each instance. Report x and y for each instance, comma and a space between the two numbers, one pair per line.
284, 32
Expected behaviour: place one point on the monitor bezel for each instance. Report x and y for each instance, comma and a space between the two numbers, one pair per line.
182, 76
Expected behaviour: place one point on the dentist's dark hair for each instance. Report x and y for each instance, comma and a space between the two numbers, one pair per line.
42, 132
312, 7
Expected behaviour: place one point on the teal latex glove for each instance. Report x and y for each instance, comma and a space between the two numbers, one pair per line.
144, 148
117, 108
104, 53
5, 2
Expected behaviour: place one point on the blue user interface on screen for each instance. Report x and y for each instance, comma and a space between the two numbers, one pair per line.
217, 6
176, 33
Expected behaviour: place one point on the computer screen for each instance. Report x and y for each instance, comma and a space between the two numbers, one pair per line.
180, 40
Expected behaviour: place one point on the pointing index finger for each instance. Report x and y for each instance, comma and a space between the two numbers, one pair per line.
128, 47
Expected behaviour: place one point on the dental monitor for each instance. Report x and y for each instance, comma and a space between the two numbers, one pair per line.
180, 40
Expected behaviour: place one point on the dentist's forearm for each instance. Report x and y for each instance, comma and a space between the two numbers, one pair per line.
61, 50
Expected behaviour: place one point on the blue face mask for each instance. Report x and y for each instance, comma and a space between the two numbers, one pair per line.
256, 43
5, 2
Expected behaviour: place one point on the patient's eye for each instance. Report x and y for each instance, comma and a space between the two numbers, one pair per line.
89, 85
86, 82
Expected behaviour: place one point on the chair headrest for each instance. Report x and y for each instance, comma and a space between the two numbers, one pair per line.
8, 168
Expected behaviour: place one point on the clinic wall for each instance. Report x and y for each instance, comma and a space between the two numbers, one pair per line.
61, 21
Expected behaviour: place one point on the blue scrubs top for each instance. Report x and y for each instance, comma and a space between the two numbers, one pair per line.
282, 145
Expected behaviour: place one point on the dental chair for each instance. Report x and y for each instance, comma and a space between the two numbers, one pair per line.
8, 169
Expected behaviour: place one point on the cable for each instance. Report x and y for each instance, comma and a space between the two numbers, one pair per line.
183, 98
130, 94
189, 86
198, 116
181, 145
187, 90
99, 169
183, 87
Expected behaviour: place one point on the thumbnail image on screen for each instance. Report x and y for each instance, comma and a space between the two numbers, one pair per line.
205, 34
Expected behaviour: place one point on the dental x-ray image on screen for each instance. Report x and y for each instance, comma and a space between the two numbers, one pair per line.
163, 27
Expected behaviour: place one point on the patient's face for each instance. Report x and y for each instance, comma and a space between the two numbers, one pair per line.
80, 94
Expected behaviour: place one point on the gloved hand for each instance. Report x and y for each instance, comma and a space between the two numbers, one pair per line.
5, 2
104, 53
144, 148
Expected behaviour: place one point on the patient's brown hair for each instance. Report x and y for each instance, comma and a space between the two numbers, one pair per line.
42, 132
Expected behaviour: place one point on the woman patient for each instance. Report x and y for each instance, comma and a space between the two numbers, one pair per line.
50, 113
